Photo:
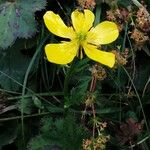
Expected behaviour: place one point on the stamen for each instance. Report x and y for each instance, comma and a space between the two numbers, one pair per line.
81, 53
81, 36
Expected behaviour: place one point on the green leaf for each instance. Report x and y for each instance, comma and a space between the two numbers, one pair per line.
108, 110
63, 133
13, 66
34, 143
124, 3
17, 20
79, 91
131, 114
26, 105
37, 102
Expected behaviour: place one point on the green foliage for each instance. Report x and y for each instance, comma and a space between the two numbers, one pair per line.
11, 76
79, 92
124, 3
63, 134
37, 102
27, 105
73, 97
62, 106
17, 20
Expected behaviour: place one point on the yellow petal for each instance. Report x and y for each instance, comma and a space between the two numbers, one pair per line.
61, 53
104, 33
56, 25
82, 22
102, 57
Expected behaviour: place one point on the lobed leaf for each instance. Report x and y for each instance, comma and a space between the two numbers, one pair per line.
17, 20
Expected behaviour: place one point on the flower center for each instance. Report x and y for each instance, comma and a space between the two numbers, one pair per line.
81, 36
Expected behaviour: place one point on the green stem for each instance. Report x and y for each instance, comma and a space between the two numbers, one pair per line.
29, 90
25, 82
141, 141
66, 82
36, 94
125, 37
26, 116
137, 3
139, 99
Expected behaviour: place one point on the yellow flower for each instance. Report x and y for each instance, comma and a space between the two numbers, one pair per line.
82, 37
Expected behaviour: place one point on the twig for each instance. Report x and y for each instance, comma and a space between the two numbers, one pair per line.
25, 116
145, 87
9, 108
94, 116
